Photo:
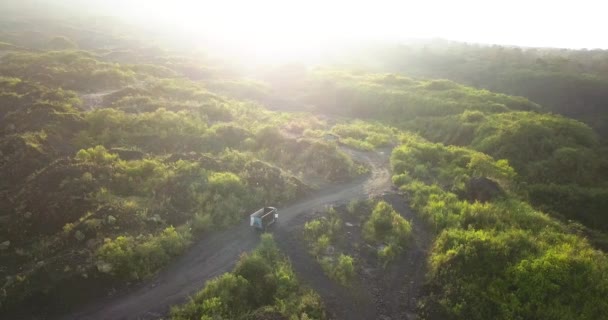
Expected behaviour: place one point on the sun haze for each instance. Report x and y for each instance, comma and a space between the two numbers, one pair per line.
273, 28
289, 22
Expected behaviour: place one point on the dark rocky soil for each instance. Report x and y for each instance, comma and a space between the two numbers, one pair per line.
379, 292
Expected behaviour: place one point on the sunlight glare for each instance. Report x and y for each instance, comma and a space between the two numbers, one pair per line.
269, 29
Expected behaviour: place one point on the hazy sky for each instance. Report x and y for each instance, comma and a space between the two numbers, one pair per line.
273, 28
558, 23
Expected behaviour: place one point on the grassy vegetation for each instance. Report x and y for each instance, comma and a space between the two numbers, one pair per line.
364, 135
262, 285
555, 157
131, 258
74, 70
568, 82
500, 259
322, 236
396, 99
112, 194
387, 228
381, 229
99, 195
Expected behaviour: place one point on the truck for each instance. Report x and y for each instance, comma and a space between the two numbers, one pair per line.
263, 218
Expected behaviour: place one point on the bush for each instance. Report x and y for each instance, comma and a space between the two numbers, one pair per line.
385, 226
344, 271
500, 259
364, 136
261, 283
321, 233
98, 155
472, 271
132, 259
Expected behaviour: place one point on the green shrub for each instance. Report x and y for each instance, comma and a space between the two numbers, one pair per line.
98, 155
364, 136
132, 258
385, 226
261, 282
344, 271
321, 233
501, 259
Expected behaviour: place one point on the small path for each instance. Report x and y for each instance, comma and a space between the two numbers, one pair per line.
404, 277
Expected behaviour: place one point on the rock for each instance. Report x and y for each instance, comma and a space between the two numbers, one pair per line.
5, 245
156, 218
104, 267
483, 189
27, 215
79, 235
111, 220
91, 243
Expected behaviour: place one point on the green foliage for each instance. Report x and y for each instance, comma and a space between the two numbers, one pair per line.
340, 268
305, 156
501, 259
158, 131
323, 232
546, 275
261, 281
136, 258
137, 147
585, 204
363, 135
540, 148
387, 227
450, 167
568, 82
98, 155
162, 150
243, 89
75, 70
557, 149
395, 98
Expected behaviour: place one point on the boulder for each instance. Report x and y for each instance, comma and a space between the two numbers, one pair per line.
104, 267
5, 245
111, 220
483, 189
79, 235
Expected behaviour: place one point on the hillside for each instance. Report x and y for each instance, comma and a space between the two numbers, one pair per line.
568, 82
128, 169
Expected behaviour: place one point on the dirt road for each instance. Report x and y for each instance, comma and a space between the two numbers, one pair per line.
218, 252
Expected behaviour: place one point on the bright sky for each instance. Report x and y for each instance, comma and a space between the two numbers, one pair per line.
275, 26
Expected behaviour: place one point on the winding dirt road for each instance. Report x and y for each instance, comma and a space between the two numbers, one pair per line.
218, 252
